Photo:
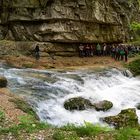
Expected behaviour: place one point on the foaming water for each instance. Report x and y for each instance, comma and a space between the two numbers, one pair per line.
48, 90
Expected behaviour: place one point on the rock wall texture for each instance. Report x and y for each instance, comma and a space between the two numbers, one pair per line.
68, 21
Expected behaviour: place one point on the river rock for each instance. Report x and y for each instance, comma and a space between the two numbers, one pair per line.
127, 73
77, 103
3, 82
125, 118
138, 106
103, 105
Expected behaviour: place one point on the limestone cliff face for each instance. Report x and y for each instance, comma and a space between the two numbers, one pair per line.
66, 20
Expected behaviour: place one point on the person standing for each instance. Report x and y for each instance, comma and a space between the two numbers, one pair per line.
113, 51
37, 50
91, 50
98, 48
81, 50
105, 49
126, 54
122, 53
87, 50
116, 52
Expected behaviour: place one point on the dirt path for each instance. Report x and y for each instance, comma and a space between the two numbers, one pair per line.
62, 62
11, 112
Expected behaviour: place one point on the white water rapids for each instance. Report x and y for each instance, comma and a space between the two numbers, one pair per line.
48, 90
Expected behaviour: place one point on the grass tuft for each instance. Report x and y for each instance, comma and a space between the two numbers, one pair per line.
127, 134
86, 130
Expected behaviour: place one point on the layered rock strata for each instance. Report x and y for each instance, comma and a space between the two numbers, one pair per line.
69, 21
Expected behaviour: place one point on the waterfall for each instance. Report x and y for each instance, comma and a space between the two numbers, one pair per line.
48, 90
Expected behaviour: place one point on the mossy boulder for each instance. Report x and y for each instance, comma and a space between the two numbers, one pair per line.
77, 103
103, 105
126, 118
3, 82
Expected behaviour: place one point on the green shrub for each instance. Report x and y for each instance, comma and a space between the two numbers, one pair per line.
135, 31
134, 67
135, 26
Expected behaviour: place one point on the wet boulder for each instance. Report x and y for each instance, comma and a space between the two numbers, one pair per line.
127, 73
126, 118
138, 106
51, 79
77, 103
103, 105
3, 82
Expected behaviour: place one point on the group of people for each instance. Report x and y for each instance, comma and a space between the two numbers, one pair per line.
116, 51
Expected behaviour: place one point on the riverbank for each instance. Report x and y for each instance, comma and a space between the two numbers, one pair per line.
10, 109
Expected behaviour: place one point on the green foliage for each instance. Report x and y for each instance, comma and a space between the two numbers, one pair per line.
7, 42
135, 26
134, 67
127, 133
27, 124
2, 116
135, 31
87, 130
61, 135
26, 119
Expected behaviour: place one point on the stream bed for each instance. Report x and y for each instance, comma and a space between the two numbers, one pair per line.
47, 91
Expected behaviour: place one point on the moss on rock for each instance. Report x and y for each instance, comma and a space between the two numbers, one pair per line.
126, 118
77, 103
80, 103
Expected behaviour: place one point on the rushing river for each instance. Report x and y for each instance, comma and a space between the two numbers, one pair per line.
48, 90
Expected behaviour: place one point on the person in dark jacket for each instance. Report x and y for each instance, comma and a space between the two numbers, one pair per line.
37, 50
126, 54
81, 50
